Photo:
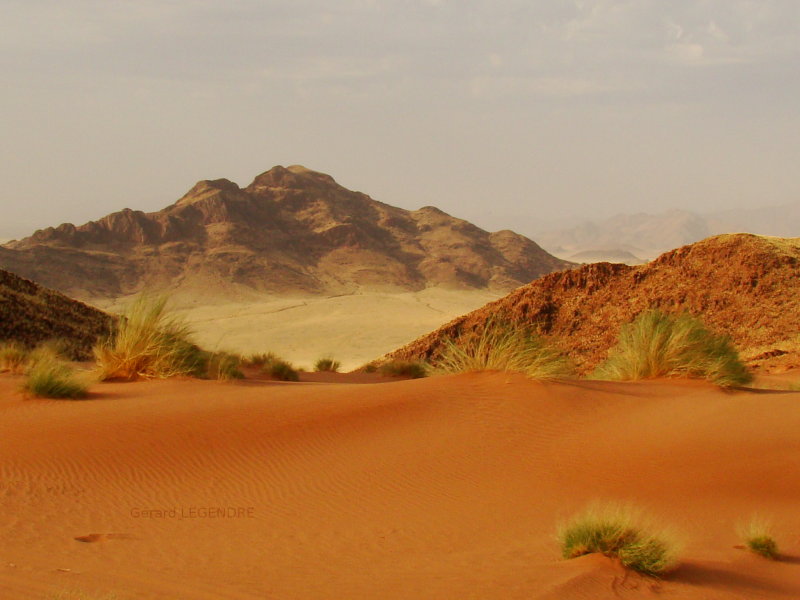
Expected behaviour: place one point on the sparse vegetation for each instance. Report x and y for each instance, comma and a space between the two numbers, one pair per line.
279, 369
403, 368
50, 377
258, 359
656, 344
370, 367
223, 366
618, 531
503, 347
149, 343
757, 537
327, 364
14, 357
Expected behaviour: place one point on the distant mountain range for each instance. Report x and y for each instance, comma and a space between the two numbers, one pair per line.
291, 231
631, 238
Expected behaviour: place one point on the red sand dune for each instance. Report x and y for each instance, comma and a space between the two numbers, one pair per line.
443, 488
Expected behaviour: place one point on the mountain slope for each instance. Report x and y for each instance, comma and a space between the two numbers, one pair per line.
290, 231
31, 314
744, 285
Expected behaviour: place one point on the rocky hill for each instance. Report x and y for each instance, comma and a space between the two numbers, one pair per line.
31, 314
744, 285
292, 230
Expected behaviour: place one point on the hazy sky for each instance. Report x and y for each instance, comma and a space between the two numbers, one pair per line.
486, 109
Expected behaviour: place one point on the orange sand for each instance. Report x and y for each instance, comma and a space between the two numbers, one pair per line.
443, 488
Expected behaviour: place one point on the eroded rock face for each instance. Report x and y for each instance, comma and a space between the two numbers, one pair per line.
292, 230
744, 285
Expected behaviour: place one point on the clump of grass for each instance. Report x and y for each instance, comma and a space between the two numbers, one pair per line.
370, 367
224, 366
403, 368
279, 369
50, 377
258, 359
327, 364
503, 347
14, 358
656, 344
618, 531
757, 537
149, 343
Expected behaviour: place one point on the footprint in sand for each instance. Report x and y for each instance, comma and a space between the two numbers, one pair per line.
102, 537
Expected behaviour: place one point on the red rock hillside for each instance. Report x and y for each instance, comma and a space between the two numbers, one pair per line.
744, 285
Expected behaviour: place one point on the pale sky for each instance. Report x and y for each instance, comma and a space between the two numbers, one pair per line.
491, 110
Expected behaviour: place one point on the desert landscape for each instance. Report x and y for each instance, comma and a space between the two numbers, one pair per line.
381, 300
446, 487
170, 471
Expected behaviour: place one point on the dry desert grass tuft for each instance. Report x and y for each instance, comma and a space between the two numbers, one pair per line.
503, 347
327, 364
618, 531
279, 369
13, 357
50, 377
758, 538
148, 343
656, 344
258, 359
402, 368
222, 366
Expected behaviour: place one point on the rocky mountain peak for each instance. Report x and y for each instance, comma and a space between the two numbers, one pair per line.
293, 230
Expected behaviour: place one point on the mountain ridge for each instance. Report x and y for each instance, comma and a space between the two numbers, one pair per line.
292, 230
647, 235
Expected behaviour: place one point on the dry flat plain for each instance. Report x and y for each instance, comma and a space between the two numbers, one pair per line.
449, 487
353, 328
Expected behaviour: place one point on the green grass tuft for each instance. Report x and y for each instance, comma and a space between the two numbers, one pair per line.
403, 368
757, 537
503, 347
656, 344
618, 531
149, 343
327, 364
50, 377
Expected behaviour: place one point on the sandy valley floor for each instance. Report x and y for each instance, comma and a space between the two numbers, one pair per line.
354, 329
442, 488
